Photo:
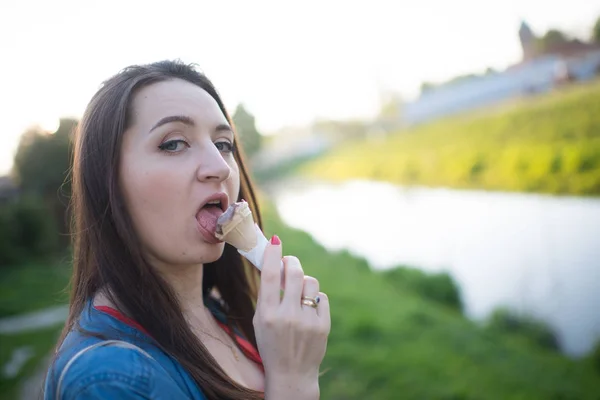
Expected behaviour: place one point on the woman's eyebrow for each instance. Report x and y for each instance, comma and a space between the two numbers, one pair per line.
174, 118
223, 127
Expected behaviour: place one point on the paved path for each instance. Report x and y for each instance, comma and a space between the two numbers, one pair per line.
33, 321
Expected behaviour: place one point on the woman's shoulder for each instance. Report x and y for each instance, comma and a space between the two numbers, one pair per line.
96, 366
93, 368
100, 369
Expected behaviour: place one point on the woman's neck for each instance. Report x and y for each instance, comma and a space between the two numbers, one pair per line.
186, 283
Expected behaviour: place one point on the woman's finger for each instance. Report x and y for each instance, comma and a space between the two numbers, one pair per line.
270, 277
323, 310
310, 290
294, 281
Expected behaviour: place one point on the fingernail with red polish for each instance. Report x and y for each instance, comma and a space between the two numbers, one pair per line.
275, 240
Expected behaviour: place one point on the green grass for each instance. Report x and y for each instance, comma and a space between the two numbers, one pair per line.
390, 344
547, 144
32, 286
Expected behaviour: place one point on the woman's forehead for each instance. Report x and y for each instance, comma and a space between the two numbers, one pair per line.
175, 97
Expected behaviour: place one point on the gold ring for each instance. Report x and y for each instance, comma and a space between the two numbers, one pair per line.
310, 301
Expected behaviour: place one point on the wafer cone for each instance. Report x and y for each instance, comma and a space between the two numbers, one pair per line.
239, 231
236, 227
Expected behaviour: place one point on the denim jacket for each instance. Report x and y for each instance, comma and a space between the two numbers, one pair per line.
117, 372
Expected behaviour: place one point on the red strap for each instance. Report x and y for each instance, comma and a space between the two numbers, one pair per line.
247, 347
117, 314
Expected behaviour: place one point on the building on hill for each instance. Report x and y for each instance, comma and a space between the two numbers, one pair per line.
535, 47
542, 68
528, 41
574, 60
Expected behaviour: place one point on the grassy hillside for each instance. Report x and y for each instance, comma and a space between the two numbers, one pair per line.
390, 338
548, 144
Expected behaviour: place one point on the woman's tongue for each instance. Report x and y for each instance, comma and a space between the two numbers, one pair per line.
207, 217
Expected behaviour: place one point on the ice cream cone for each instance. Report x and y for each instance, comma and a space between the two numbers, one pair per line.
236, 227
242, 236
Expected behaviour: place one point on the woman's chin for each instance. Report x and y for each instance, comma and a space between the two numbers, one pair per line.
195, 253
209, 252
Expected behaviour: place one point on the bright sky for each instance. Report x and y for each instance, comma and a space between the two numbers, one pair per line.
289, 62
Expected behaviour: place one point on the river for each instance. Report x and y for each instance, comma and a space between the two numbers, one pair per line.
533, 254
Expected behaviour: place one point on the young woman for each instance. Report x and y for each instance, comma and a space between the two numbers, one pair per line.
161, 309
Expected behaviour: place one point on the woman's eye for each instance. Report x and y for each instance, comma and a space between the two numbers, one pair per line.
226, 147
173, 146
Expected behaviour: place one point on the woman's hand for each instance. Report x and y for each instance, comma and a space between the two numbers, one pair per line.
291, 336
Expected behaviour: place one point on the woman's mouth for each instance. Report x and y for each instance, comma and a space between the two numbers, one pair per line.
207, 221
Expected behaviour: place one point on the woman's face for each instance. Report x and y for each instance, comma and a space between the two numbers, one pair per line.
177, 156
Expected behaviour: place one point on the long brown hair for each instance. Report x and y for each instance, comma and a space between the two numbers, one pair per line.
106, 250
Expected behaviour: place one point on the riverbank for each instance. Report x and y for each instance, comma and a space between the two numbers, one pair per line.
549, 144
390, 339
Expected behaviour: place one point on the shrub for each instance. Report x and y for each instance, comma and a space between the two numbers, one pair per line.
535, 331
595, 357
27, 230
438, 287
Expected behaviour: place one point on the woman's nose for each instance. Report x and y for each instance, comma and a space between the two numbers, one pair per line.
212, 166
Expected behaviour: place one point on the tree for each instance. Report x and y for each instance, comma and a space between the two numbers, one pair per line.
427, 86
555, 36
552, 38
596, 31
41, 167
43, 159
248, 135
